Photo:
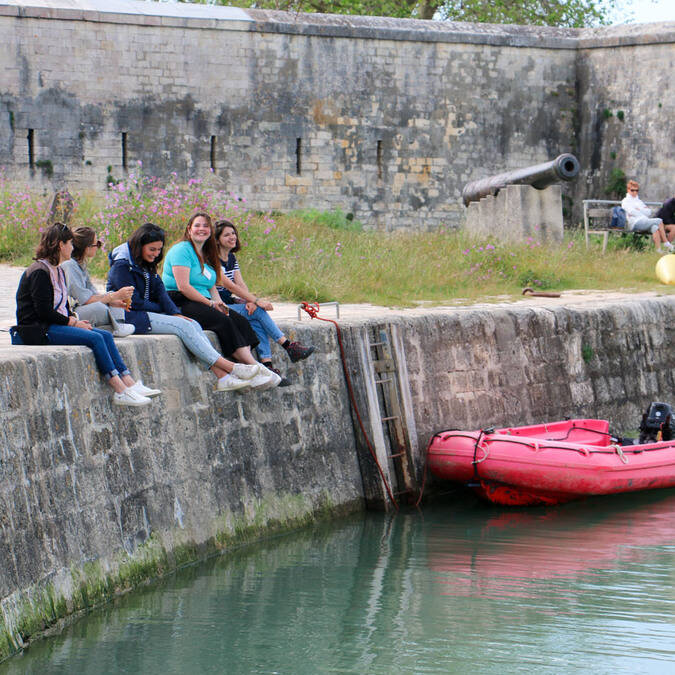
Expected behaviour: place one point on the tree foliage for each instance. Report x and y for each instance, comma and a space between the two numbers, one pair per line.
567, 13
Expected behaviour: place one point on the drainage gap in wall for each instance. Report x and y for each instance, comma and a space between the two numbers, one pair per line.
31, 150
379, 160
298, 156
213, 154
124, 150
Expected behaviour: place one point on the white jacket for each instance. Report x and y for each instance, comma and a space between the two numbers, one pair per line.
635, 208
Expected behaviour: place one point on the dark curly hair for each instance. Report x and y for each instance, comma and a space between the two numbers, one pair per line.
48, 248
221, 225
146, 234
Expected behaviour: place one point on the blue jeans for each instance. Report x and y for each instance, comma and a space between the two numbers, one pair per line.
108, 359
263, 326
190, 333
644, 224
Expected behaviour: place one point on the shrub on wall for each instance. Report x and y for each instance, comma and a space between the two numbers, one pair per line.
616, 185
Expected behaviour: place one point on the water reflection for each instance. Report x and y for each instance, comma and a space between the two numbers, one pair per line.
588, 586
588, 537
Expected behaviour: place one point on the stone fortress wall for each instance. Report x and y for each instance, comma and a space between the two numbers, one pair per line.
384, 118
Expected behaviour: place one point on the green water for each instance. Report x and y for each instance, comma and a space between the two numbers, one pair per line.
582, 588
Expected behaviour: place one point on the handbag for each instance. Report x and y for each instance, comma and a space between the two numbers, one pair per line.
618, 219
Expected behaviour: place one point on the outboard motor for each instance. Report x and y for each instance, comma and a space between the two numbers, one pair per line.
658, 418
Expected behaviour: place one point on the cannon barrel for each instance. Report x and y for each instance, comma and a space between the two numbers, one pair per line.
563, 168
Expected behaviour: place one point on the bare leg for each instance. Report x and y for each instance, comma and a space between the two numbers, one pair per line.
128, 380
222, 367
243, 354
117, 384
657, 239
662, 234
670, 232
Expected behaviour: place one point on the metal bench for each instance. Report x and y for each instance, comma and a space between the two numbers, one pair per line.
598, 212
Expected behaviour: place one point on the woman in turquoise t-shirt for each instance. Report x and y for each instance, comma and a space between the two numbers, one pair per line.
191, 270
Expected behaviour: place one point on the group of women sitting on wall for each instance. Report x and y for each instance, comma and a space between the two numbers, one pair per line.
201, 288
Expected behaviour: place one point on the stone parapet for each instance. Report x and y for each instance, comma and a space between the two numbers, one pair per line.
95, 499
203, 16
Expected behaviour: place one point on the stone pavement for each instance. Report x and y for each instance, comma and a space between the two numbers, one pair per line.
287, 311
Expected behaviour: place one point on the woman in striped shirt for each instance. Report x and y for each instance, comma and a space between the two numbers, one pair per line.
236, 295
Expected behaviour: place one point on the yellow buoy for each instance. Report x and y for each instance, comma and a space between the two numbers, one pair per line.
665, 269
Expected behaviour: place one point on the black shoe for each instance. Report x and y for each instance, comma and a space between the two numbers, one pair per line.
298, 352
285, 382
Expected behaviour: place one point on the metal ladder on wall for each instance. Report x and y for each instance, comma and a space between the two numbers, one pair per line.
395, 428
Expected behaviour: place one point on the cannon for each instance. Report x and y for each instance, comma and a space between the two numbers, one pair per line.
563, 168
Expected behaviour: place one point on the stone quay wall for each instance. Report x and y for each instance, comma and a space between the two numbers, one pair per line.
386, 119
95, 500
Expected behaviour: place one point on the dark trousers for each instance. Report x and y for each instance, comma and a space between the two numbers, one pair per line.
233, 330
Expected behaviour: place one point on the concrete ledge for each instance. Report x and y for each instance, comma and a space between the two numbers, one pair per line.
181, 15
414, 30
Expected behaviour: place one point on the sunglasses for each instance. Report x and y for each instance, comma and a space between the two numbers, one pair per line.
98, 243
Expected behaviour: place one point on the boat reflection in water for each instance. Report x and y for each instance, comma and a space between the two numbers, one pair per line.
591, 538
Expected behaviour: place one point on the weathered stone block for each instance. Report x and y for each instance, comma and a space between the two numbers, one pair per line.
518, 213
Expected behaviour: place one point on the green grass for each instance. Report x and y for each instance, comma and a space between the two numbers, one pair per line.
320, 256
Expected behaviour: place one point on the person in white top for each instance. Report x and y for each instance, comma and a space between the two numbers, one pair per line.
639, 217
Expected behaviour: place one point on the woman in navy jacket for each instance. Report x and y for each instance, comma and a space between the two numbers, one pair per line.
134, 263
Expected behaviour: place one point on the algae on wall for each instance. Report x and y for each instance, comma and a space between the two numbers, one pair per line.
99, 499
27, 614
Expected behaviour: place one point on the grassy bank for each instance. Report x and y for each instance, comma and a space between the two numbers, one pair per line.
325, 256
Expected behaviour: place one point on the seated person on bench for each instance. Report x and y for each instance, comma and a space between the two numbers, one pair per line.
667, 214
639, 217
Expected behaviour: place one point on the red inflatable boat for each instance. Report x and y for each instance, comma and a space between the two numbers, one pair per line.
550, 463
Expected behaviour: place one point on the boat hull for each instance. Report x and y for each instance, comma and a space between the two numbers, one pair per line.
550, 464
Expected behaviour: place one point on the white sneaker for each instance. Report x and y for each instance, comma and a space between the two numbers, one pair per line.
244, 371
141, 389
124, 330
130, 397
231, 382
266, 379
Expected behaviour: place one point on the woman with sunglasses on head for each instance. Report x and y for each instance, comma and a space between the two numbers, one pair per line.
191, 271
236, 295
639, 217
44, 317
100, 309
134, 264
